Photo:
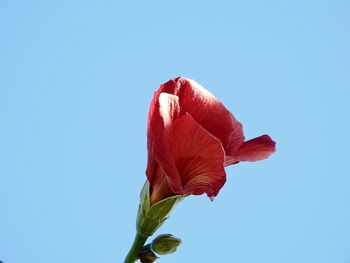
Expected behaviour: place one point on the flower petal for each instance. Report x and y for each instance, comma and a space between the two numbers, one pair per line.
199, 157
255, 149
164, 108
206, 110
160, 187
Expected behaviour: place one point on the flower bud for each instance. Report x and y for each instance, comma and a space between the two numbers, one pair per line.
147, 255
165, 244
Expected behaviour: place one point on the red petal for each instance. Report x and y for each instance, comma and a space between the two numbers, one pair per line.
163, 109
199, 157
206, 110
160, 187
255, 149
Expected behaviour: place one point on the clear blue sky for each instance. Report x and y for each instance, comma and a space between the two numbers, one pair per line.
76, 79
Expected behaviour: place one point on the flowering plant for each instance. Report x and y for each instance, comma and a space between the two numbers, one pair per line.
191, 138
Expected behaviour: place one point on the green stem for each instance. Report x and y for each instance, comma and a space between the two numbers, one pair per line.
134, 251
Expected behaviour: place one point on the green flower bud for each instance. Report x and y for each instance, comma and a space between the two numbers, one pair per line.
165, 244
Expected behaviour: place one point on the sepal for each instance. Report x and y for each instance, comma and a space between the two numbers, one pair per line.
151, 217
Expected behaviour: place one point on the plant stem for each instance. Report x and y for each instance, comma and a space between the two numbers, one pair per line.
134, 251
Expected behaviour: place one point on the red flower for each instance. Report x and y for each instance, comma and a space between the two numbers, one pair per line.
191, 137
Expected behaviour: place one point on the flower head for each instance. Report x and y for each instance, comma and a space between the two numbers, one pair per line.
191, 137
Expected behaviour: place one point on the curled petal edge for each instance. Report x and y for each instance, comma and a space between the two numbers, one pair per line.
255, 149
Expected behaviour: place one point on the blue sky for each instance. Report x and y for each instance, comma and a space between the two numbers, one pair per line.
76, 79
